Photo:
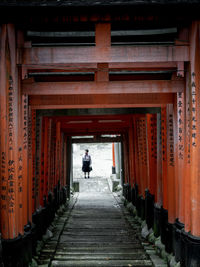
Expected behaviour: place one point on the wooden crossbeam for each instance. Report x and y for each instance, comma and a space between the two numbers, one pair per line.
94, 131
99, 139
110, 125
100, 101
115, 54
93, 66
85, 88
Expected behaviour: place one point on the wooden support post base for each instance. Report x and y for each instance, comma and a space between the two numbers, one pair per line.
177, 244
163, 225
18, 251
190, 254
133, 196
169, 239
125, 190
149, 208
1, 260
41, 223
113, 170
140, 206
157, 220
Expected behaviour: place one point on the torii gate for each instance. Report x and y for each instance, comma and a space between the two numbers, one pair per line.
161, 149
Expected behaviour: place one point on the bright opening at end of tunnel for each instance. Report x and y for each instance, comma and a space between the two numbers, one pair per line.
101, 156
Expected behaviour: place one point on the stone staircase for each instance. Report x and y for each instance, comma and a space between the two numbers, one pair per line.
94, 231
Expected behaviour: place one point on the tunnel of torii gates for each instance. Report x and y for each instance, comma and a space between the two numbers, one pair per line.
132, 76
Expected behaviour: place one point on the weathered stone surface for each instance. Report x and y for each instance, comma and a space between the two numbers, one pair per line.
96, 231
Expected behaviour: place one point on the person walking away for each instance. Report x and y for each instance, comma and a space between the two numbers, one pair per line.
86, 163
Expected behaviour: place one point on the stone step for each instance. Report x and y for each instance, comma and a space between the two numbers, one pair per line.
106, 256
82, 246
97, 232
105, 263
87, 251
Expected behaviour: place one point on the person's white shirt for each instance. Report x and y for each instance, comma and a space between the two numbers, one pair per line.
87, 157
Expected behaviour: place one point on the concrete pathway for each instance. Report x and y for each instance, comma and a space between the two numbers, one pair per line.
95, 231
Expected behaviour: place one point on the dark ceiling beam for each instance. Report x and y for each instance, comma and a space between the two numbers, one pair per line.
113, 54
98, 88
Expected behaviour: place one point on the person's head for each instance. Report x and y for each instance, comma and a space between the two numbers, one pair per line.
86, 151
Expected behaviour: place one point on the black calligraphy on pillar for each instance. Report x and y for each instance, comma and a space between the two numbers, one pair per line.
144, 142
20, 177
155, 136
188, 131
42, 158
180, 125
58, 160
163, 133
3, 181
10, 113
140, 143
25, 122
193, 112
11, 186
33, 143
29, 136
38, 154
153, 124
171, 140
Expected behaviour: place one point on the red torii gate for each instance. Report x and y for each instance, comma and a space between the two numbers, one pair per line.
161, 149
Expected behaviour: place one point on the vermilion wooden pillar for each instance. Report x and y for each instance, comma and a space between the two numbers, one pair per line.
24, 156
140, 155
170, 164
176, 169
136, 163
195, 127
187, 159
57, 156
46, 145
41, 175
144, 147
125, 156
50, 136
53, 152
9, 149
113, 157
159, 190
62, 160
30, 167
180, 157
152, 152
33, 137
38, 161
21, 179
131, 153
164, 157
65, 161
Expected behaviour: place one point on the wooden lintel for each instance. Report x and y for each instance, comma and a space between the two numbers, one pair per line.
110, 125
100, 101
92, 118
86, 88
73, 67
93, 131
115, 54
90, 106
97, 140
